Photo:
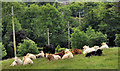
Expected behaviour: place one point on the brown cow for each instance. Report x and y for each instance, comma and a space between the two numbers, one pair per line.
76, 51
60, 53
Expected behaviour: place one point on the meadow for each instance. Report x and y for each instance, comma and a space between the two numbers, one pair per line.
109, 60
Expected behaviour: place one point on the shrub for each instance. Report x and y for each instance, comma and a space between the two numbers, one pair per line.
90, 37
117, 40
27, 47
57, 48
2, 49
78, 39
95, 38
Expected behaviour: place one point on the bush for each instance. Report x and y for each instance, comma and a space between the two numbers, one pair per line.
27, 47
117, 40
95, 38
78, 39
91, 38
2, 49
57, 48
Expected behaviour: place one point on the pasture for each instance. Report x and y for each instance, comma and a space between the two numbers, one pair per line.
109, 60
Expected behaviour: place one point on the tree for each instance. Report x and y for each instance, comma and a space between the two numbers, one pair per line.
78, 39
75, 8
102, 17
7, 24
95, 38
38, 19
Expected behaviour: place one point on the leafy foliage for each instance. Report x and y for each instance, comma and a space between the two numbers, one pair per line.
19, 36
57, 48
95, 38
41, 18
117, 39
27, 47
2, 49
78, 39
61, 49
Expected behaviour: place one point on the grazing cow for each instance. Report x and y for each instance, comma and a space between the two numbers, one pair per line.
31, 56
49, 49
76, 51
17, 61
27, 60
60, 53
67, 54
40, 55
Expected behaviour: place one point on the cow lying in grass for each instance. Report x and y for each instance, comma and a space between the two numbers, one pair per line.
104, 45
17, 61
27, 60
85, 47
67, 54
60, 53
76, 51
31, 56
89, 52
96, 50
52, 57
40, 55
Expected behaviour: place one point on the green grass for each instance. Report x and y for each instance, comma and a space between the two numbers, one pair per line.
109, 60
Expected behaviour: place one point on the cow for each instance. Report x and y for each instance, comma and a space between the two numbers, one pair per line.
49, 49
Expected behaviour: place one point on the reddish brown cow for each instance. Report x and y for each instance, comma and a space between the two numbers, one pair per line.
60, 53
76, 51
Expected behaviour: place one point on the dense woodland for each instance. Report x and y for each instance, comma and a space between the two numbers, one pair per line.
99, 22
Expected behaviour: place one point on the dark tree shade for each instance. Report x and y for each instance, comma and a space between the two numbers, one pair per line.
19, 36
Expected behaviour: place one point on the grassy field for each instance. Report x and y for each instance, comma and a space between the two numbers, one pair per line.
109, 60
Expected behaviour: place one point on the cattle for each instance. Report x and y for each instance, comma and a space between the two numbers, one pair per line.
104, 45
49, 49
50, 57
27, 60
67, 54
40, 55
17, 61
76, 51
60, 53
31, 56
